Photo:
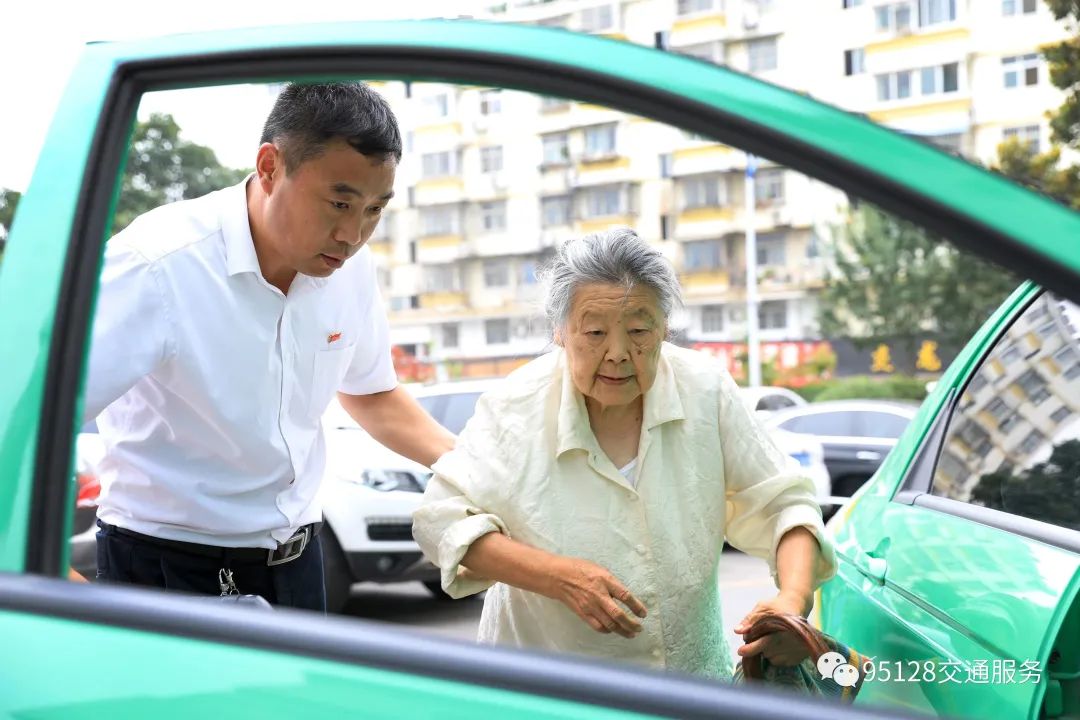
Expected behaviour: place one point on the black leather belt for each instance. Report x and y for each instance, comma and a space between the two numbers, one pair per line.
285, 552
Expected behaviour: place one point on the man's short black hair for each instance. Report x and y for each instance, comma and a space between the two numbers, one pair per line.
306, 118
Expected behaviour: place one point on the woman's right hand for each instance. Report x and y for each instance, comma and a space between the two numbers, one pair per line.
594, 595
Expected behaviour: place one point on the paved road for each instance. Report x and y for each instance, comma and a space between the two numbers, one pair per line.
743, 582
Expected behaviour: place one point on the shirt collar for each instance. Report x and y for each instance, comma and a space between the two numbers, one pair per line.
662, 404
240, 256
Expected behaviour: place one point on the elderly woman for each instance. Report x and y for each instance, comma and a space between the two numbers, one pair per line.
592, 491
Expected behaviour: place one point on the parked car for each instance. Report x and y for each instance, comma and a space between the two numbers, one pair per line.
368, 495
922, 577
856, 435
767, 399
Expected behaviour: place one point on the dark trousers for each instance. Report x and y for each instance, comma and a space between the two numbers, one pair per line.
123, 558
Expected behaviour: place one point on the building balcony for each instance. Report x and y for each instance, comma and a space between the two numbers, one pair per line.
445, 300
381, 247
953, 110
704, 281
437, 249
599, 224
439, 190
698, 27
916, 38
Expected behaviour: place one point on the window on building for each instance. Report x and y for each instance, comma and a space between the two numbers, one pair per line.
934, 12
496, 273
1019, 7
772, 315
851, 3
602, 202
711, 51
894, 86
491, 159
493, 216
527, 272
689, 7
1020, 70
703, 255
854, 61
771, 250
1068, 361
497, 332
712, 319
698, 192
441, 278
600, 140
437, 106
450, 335
769, 186
559, 21
490, 102
555, 211
550, 104
949, 142
597, 18
439, 164
667, 164
762, 54
556, 149
440, 220
1027, 479
895, 17
1025, 134
940, 79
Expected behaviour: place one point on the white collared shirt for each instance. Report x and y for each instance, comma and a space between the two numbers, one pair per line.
210, 382
528, 465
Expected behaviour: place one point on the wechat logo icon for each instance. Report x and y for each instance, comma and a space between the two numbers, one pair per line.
834, 666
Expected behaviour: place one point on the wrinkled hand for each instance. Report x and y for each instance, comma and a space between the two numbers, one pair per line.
594, 595
781, 648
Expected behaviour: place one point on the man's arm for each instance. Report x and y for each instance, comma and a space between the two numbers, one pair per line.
396, 420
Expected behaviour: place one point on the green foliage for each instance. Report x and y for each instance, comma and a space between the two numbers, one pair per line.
1043, 171
1048, 491
162, 167
892, 387
9, 200
893, 282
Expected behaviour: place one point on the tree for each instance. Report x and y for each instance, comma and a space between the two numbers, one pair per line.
1044, 171
894, 282
162, 167
9, 200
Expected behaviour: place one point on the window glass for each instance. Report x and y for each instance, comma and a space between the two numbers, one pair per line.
833, 424
458, 409
881, 425
1018, 449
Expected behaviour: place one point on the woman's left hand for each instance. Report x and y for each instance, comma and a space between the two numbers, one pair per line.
779, 648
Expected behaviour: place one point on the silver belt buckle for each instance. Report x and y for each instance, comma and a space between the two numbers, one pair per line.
290, 549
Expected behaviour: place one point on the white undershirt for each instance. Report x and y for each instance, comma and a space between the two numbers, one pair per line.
627, 471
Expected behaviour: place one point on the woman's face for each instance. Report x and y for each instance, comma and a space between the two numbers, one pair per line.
612, 340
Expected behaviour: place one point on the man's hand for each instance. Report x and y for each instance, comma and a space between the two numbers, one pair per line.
594, 594
779, 648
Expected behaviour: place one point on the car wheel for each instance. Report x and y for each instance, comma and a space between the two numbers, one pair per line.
435, 588
338, 576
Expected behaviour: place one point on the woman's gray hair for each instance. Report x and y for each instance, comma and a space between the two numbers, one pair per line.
615, 257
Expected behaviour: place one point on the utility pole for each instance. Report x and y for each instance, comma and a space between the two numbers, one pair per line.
753, 343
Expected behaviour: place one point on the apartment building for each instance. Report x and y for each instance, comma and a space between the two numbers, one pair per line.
496, 179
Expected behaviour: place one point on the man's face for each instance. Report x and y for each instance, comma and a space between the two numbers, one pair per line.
321, 214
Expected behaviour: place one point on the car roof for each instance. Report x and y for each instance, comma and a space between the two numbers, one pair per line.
454, 387
761, 391
894, 407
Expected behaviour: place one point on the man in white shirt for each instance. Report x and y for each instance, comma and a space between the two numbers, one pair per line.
224, 327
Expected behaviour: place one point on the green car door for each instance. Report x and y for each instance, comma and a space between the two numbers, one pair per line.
168, 656
960, 562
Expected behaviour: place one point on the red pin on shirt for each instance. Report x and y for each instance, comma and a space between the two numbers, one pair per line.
332, 337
